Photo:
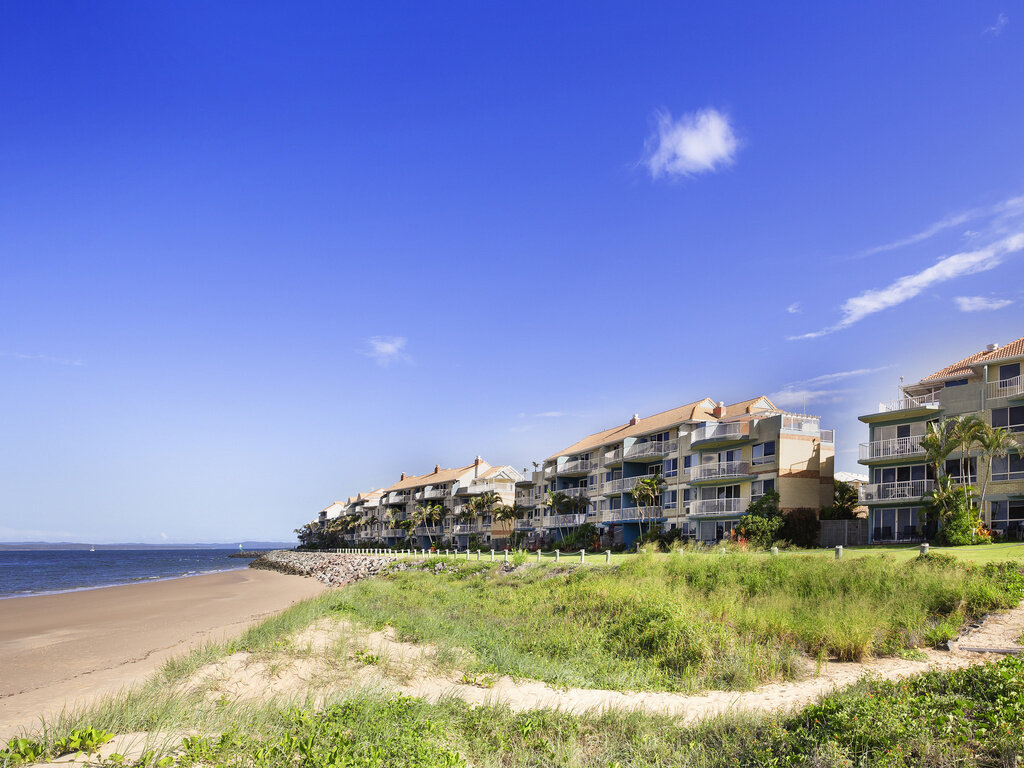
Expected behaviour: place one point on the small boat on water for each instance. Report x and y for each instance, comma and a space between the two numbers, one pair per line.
92, 549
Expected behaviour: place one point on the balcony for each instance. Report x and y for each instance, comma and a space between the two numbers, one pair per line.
906, 490
728, 432
619, 485
524, 525
611, 457
894, 448
462, 529
906, 407
434, 530
719, 471
573, 493
576, 467
435, 493
392, 533
631, 514
651, 449
706, 507
1006, 388
549, 471
564, 521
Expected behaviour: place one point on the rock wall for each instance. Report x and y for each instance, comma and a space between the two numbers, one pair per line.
333, 569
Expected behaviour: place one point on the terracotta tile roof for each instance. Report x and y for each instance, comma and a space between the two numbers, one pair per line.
699, 410
432, 478
964, 367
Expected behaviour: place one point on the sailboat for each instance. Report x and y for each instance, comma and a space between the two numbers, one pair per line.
92, 548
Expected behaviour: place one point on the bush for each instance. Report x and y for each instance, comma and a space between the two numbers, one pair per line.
800, 527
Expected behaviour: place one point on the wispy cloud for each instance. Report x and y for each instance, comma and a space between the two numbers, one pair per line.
49, 359
695, 143
905, 288
1001, 21
794, 308
980, 303
800, 394
387, 349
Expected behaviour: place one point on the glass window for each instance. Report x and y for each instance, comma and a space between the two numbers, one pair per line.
1009, 467
1009, 418
764, 453
956, 383
1009, 372
671, 467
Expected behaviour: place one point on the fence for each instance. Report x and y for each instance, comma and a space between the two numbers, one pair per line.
843, 533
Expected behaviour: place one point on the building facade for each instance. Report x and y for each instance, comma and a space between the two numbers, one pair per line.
715, 460
986, 384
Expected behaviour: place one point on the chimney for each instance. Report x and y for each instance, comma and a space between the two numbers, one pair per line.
476, 466
635, 420
403, 476
437, 468
991, 347
719, 410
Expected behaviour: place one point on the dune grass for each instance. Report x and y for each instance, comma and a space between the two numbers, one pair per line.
681, 622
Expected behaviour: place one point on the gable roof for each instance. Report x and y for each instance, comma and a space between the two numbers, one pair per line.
699, 410
437, 476
965, 367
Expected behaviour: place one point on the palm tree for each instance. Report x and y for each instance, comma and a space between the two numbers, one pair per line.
505, 513
489, 500
995, 443
940, 440
969, 428
647, 493
557, 503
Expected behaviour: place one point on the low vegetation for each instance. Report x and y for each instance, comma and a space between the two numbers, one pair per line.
681, 622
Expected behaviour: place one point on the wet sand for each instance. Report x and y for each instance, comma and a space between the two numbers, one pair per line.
71, 648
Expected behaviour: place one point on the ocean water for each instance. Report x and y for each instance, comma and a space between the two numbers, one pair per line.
48, 571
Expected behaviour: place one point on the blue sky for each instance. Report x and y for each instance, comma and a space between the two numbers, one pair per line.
256, 257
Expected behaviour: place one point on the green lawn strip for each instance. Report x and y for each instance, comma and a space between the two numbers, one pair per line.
684, 622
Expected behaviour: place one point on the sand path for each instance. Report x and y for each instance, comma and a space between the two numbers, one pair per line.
406, 668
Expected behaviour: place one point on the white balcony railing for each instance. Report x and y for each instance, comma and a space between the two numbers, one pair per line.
619, 485
464, 528
630, 513
435, 493
549, 471
908, 403
524, 525
1006, 388
903, 490
572, 493
718, 507
576, 465
611, 457
564, 521
434, 530
651, 448
893, 448
734, 430
718, 470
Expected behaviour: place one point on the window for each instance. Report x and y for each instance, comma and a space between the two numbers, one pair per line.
764, 453
668, 499
1008, 517
688, 461
1008, 373
1009, 467
759, 488
896, 524
653, 469
671, 467
967, 473
1009, 418
956, 383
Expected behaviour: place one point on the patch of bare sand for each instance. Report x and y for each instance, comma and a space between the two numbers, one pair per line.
335, 654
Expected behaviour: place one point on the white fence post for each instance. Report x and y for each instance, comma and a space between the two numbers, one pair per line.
924, 548
775, 550
506, 554
478, 554
583, 554
839, 552
607, 557
492, 555
556, 555
538, 557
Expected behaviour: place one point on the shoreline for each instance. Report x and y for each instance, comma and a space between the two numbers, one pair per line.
141, 580
70, 648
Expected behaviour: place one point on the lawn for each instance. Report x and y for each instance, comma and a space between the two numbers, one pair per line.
684, 621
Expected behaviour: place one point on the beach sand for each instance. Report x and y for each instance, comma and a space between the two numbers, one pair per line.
71, 648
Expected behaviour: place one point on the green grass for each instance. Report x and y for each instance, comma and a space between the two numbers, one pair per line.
973, 716
683, 622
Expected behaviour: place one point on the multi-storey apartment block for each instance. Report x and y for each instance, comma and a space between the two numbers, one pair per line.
379, 515
987, 384
715, 459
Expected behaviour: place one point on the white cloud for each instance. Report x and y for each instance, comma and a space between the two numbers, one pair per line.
845, 374
387, 349
802, 393
979, 303
905, 288
49, 359
794, 308
995, 29
695, 143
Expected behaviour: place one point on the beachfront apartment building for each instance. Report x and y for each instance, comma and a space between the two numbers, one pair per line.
715, 460
987, 384
378, 516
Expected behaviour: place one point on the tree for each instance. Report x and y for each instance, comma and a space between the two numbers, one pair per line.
940, 440
844, 502
995, 443
969, 429
952, 505
506, 513
557, 503
761, 524
647, 493
489, 500
310, 535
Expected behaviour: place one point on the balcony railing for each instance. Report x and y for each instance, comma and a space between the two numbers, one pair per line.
572, 493
735, 430
619, 485
434, 530
549, 471
564, 521
1006, 388
464, 528
524, 525
719, 470
828, 436
630, 513
718, 507
909, 403
435, 493
611, 457
899, 491
576, 465
651, 448
893, 448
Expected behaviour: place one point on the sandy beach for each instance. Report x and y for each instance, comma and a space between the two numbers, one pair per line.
70, 648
